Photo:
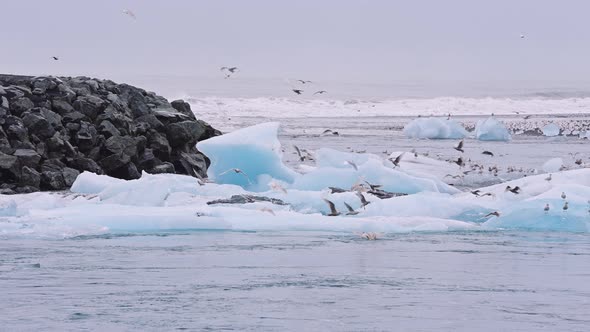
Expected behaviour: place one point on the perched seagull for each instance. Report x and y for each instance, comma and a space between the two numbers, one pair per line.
526, 117
489, 153
563, 196
351, 211
515, 190
333, 211
364, 202
495, 213
565, 207
397, 159
321, 92
237, 171
459, 147
304, 82
521, 36
460, 162
129, 13
353, 165
546, 209
548, 178
578, 162
297, 91
55, 58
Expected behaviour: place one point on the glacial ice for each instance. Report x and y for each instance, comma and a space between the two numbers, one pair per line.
167, 202
434, 128
491, 129
255, 151
550, 130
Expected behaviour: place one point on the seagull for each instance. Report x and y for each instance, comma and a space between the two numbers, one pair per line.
460, 162
364, 202
515, 190
397, 159
546, 209
353, 165
55, 58
459, 147
277, 187
489, 153
329, 131
495, 213
548, 178
297, 91
228, 71
237, 171
373, 186
351, 211
578, 162
526, 117
476, 192
321, 92
129, 13
301, 158
333, 211
521, 36
565, 207
303, 81
563, 196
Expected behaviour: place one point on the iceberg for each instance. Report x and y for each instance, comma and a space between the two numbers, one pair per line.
491, 129
434, 128
254, 151
550, 130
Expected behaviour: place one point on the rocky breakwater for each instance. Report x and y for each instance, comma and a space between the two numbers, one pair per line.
51, 129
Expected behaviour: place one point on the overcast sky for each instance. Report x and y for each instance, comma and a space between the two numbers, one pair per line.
349, 41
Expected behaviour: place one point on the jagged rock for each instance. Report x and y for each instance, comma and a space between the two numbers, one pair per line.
184, 108
243, 199
69, 176
162, 168
184, 133
89, 106
27, 157
21, 105
30, 177
92, 125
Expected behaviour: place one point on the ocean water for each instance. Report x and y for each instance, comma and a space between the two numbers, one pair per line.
295, 281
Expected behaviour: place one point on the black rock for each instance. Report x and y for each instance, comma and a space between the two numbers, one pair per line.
184, 108
27, 157
21, 105
184, 133
36, 123
30, 177
69, 176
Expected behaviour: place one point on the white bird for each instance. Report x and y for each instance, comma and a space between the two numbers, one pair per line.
351, 163
237, 171
548, 178
521, 36
129, 13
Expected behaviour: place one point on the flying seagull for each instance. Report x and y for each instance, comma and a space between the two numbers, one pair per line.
301, 157
304, 82
330, 132
129, 13
321, 92
489, 153
237, 171
297, 91
269, 210
563, 196
364, 202
522, 36
460, 162
373, 186
353, 165
229, 71
495, 213
565, 207
55, 58
515, 190
548, 178
459, 147
369, 236
397, 160
351, 211
333, 211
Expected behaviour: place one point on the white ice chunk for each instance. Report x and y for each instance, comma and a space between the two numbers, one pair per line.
255, 151
491, 129
550, 129
434, 128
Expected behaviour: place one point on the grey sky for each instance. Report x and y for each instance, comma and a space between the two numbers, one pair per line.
339, 40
